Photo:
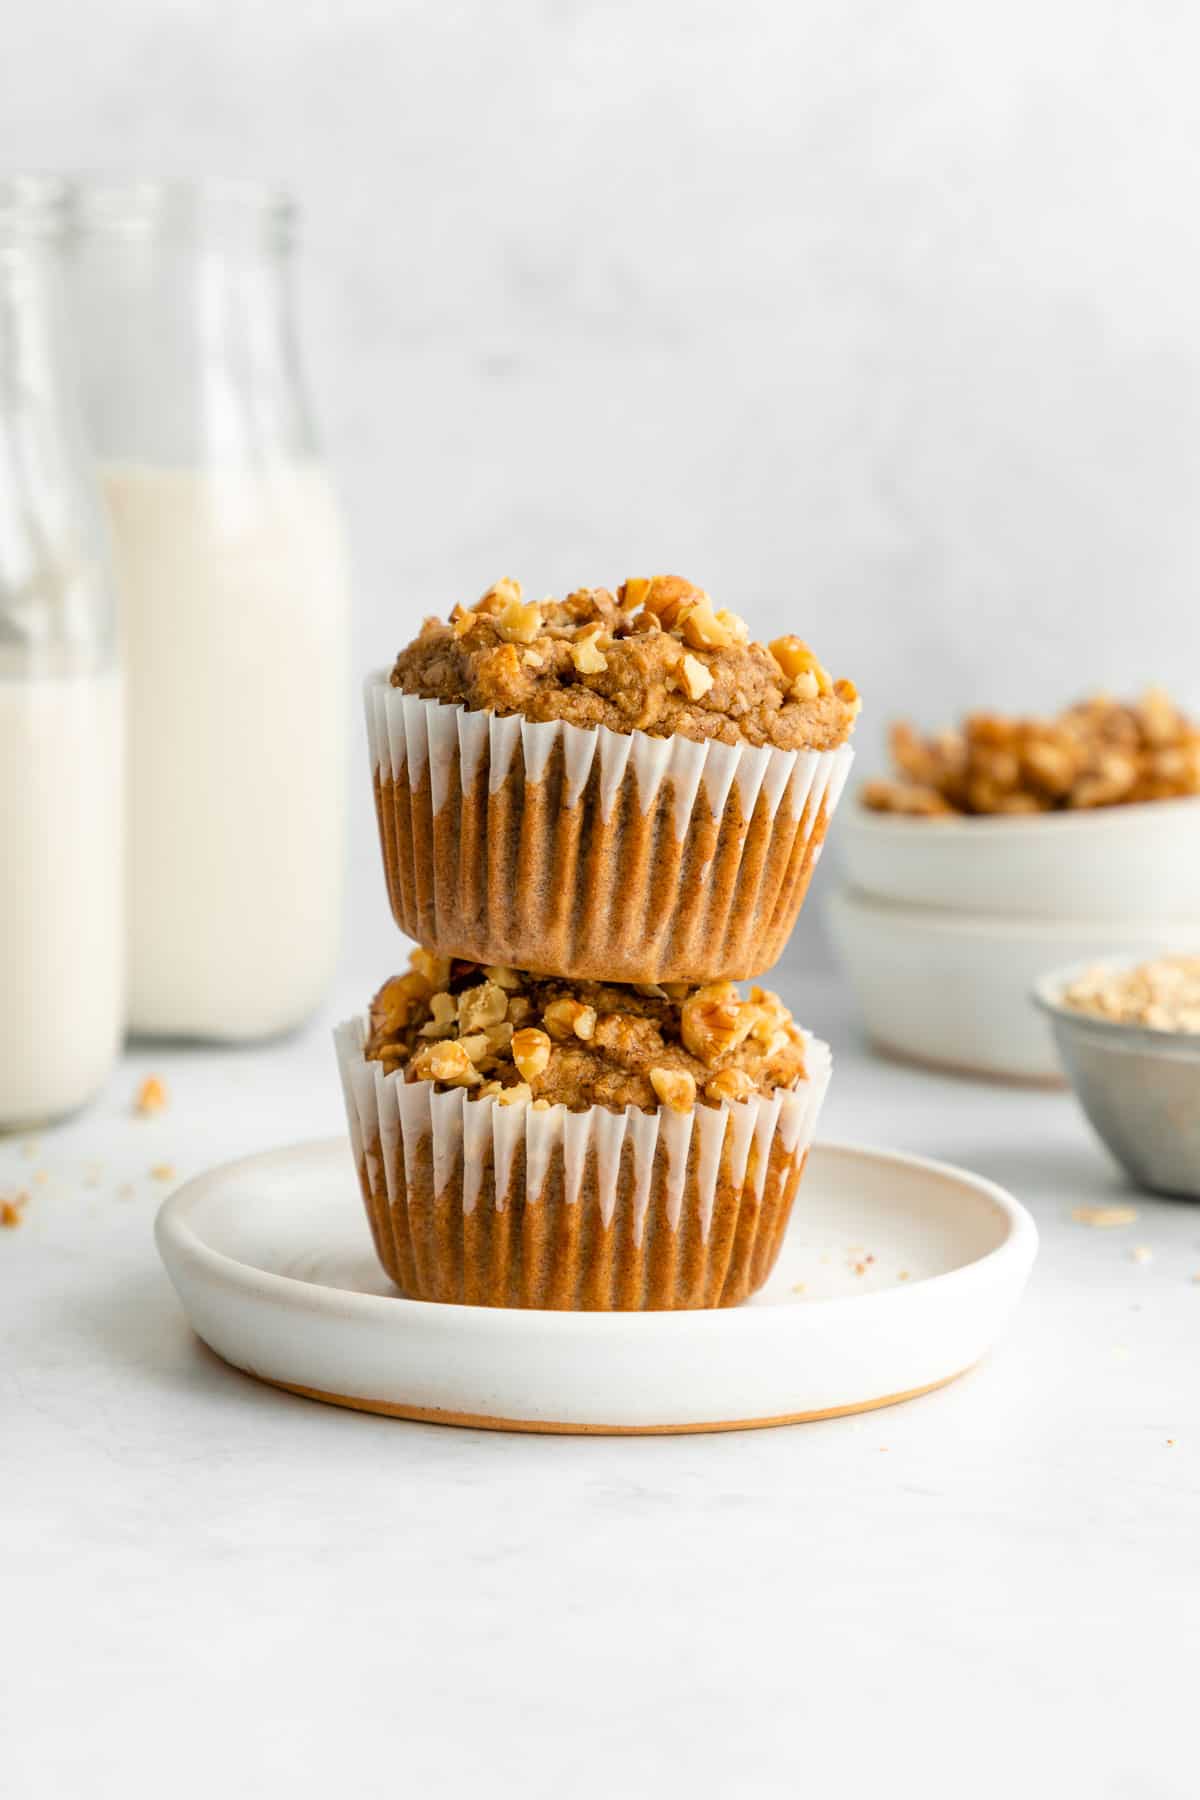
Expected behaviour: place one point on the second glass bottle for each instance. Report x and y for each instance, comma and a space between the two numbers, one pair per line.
229, 558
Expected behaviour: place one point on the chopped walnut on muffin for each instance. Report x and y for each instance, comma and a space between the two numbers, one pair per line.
543, 1040
657, 657
1097, 753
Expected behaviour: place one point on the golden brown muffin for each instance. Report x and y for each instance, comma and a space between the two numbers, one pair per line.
613, 787
548, 1143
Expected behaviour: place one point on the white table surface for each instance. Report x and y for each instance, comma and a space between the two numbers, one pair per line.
210, 1587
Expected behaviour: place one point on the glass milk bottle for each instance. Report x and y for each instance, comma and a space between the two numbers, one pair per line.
229, 557
61, 876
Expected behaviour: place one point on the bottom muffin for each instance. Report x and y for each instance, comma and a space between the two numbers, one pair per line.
534, 1142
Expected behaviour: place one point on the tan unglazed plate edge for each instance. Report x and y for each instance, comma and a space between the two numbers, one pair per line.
896, 1276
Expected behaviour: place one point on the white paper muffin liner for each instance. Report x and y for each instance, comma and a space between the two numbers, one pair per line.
494, 1205
596, 854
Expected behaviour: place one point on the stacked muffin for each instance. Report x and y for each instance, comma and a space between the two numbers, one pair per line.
595, 814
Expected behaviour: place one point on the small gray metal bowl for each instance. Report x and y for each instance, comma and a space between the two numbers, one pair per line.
1139, 1087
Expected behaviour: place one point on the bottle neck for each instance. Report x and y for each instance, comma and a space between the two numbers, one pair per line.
34, 376
183, 301
56, 601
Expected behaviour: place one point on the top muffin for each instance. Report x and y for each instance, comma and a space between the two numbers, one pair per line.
656, 657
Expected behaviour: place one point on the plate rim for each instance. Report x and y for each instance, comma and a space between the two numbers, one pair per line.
172, 1228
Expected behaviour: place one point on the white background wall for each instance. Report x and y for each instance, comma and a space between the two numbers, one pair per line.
882, 320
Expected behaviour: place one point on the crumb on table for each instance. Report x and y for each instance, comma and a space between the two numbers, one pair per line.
1104, 1218
151, 1097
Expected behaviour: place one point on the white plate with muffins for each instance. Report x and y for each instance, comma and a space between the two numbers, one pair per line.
578, 1144
895, 1275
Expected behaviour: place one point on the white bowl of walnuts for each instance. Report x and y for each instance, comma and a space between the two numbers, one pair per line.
1004, 839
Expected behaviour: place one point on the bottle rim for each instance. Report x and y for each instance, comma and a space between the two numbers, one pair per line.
185, 208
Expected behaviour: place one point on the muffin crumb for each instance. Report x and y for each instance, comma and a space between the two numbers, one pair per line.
12, 1211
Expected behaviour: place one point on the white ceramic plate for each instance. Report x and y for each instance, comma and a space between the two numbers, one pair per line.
895, 1276
952, 989
1089, 867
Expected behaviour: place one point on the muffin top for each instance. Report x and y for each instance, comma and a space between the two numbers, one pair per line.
1100, 752
540, 1040
656, 657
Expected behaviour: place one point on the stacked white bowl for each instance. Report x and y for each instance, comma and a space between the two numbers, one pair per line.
944, 924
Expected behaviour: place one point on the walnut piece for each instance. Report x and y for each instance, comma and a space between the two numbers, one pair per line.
696, 678
668, 597
675, 1088
445, 1017
715, 1019
702, 629
506, 592
798, 663
570, 1018
445, 1062
520, 623
728, 1084
435, 969
588, 659
481, 1006
530, 1052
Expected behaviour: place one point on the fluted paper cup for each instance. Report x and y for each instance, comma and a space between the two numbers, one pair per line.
595, 854
596, 1211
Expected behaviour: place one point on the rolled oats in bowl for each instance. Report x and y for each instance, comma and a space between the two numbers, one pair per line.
1128, 1034
622, 787
1161, 995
